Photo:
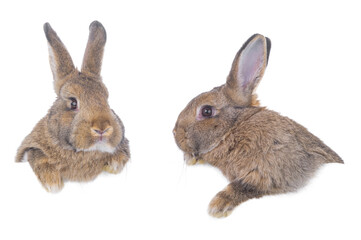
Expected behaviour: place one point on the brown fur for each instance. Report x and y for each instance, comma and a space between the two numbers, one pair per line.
259, 151
76, 144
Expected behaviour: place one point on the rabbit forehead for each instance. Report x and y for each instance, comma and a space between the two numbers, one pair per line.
215, 98
85, 90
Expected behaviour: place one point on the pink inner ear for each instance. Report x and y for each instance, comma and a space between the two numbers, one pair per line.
251, 63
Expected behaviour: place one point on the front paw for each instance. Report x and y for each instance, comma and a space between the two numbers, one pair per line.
190, 160
221, 206
113, 167
52, 182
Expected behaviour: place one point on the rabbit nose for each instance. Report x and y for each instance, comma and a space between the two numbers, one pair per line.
101, 128
102, 132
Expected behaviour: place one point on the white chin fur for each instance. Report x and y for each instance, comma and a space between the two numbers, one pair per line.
100, 146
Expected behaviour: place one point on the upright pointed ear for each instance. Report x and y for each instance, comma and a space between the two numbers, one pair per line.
61, 63
93, 56
248, 68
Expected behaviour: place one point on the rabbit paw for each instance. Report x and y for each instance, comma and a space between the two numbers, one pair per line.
52, 182
113, 167
220, 206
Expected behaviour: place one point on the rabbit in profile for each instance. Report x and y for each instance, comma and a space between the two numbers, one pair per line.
259, 151
80, 136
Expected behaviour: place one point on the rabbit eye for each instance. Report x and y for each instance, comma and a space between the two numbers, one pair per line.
207, 111
73, 104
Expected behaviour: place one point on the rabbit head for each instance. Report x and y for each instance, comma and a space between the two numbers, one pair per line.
205, 121
80, 118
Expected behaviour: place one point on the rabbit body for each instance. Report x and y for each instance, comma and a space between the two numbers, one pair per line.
268, 151
80, 136
258, 150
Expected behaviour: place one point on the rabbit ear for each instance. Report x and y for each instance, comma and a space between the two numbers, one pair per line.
93, 56
247, 69
60, 61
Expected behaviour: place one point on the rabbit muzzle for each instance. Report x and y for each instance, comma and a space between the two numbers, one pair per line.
102, 134
180, 136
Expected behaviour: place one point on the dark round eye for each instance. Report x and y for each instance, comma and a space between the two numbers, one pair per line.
207, 111
73, 104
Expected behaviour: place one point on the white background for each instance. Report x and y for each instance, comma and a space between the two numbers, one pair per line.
159, 55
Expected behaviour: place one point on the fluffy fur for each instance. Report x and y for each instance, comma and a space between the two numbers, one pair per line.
80, 136
258, 150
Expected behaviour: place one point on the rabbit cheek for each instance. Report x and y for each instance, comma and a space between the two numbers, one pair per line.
80, 137
59, 127
200, 140
204, 136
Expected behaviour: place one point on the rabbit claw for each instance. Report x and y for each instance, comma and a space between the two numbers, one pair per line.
220, 207
51, 182
113, 167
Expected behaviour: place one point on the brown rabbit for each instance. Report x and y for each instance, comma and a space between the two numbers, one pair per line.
80, 136
258, 150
